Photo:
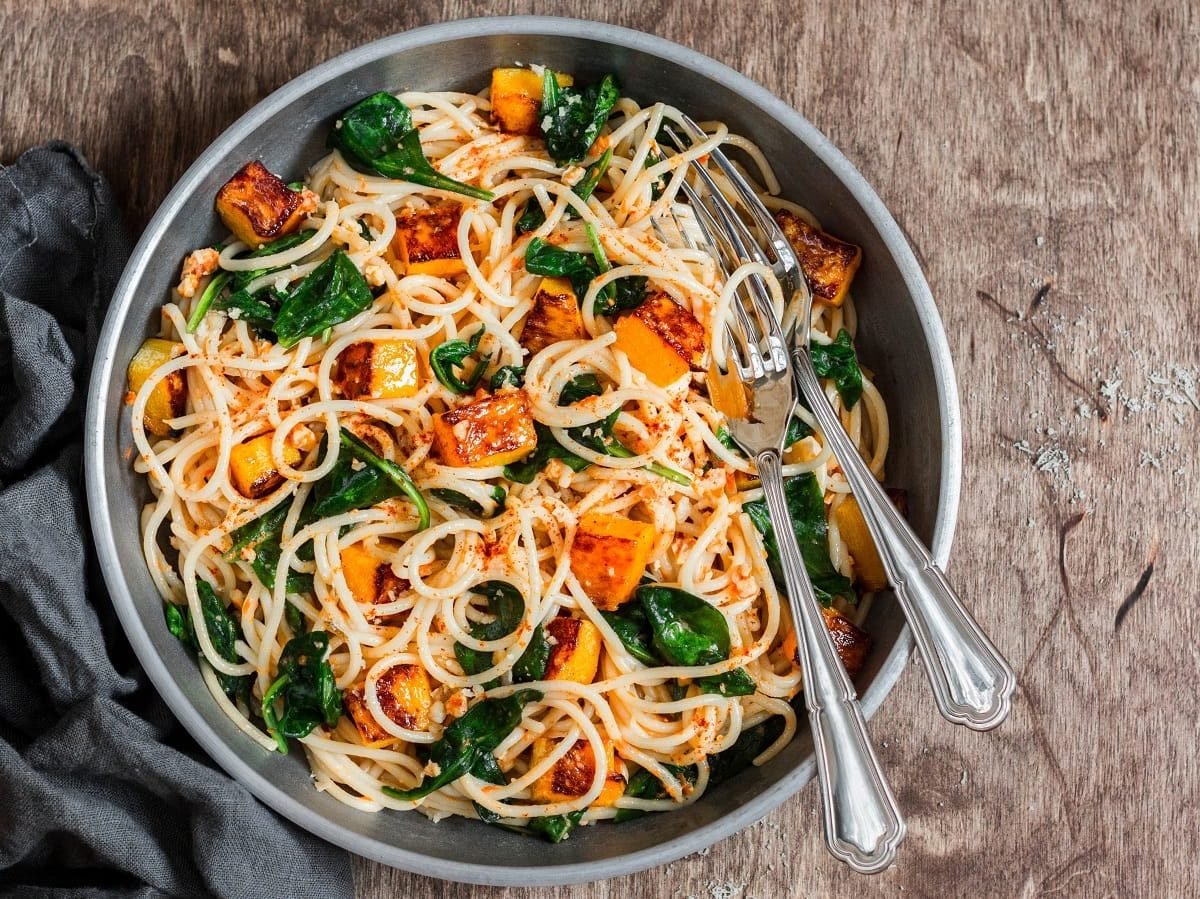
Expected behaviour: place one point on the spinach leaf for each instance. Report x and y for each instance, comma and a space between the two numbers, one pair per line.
179, 623
737, 682
531, 665
295, 618
345, 489
796, 430
572, 117
633, 629
544, 258
377, 136
263, 535
334, 292
644, 785
532, 218
687, 630
548, 448
598, 436
838, 361
591, 177
507, 606
304, 687
806, 506
628, 293
508, 376
214, 287
464, 502
741, 755
224, 631
487, 769
240, 280
726, 440
258, 310
555, 827
465, 742
446, 356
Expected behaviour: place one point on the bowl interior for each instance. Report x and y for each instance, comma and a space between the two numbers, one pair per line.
900, 339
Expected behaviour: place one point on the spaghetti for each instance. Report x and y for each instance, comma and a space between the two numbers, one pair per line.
449, 582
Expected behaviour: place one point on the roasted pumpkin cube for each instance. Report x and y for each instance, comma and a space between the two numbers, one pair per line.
369, 729
868, 567
426, 241
404, 696
572, 775
370, 579
168, 399
609, 556
252, 467
828, 264
495, 430
257, 206
852, 643
517, 99
662, 339
379, 369
555, 316
575, 655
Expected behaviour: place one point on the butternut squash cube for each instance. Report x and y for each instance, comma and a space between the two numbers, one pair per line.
252, 467
495, 430
404, 696
829, 264
555, 316
370, 579
517, 99
426, 241
379, 369
662, 339
609, 557
572, 775
868, 567
168, 399
257, 206
852, 643
575, 655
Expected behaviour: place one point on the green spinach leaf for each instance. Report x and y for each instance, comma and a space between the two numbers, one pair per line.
462, 501
454, 353
334, 292
644, 785
572, 117
741, 755
807, 508
508, 376
377, 136
388, 472
737, 682
544, 258
687, 630
555, 828
838, 361
263, 536
304, 688
466, 741
633, 629
532, 218
224, 631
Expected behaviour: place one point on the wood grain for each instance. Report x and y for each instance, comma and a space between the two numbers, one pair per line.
1043, 160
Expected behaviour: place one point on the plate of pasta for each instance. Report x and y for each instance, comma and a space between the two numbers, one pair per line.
408, 474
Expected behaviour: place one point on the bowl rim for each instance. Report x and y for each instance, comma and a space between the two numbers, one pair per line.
96, 449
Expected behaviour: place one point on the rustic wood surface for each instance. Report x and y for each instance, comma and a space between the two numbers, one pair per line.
1043, 160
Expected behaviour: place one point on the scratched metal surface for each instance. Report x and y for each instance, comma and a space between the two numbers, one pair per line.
1042, 158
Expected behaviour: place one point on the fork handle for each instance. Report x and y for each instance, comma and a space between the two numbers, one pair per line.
863, 826
972, 683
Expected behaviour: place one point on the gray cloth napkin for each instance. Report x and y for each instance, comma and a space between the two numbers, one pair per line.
101, 794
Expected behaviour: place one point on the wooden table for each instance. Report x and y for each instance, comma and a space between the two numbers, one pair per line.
1043, 160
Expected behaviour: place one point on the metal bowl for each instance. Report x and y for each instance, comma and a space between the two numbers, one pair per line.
901, 338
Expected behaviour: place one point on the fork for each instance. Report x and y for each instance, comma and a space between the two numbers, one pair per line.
863, 826
972, 684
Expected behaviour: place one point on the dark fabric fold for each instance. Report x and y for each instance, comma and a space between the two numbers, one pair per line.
101, 794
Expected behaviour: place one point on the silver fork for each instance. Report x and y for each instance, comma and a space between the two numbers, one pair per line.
972, 683
863, 826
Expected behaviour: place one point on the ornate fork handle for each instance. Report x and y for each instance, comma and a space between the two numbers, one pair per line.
863, 826
972, 684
